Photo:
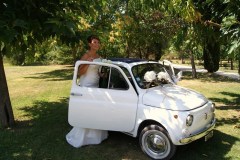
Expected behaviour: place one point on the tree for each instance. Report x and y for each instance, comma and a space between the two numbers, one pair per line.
6, 113
211, 52
212, 21
23, 23
146, 28
210, 33
230, 28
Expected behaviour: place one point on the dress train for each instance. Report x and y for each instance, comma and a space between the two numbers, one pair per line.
78, 137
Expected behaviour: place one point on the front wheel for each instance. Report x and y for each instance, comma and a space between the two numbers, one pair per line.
155, 142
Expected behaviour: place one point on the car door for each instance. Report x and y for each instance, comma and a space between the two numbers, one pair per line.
112, 107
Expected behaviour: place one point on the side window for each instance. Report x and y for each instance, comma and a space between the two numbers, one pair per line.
129, 78
104, 77
117, 81
98, 76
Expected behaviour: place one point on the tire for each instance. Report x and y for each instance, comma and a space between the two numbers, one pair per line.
155, 142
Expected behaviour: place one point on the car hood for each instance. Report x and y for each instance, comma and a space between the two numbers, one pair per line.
173, 97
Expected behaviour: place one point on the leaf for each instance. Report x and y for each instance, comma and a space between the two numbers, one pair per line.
20, 23
2, 45
229, 21
25, 39
53, 21
234, 46
226, 1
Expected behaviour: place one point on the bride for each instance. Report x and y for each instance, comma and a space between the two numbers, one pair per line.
89, 77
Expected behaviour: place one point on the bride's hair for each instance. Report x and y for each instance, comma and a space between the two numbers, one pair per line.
91, 37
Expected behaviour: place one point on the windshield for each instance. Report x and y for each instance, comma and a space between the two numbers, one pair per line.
141, 73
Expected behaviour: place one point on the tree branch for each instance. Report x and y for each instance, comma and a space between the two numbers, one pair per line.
210, 23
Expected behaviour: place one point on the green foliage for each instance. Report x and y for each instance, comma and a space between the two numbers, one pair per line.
139, 28
51, 52
231, 29
145, 29
27, 23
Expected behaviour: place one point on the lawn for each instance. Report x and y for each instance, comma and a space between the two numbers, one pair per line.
39, 96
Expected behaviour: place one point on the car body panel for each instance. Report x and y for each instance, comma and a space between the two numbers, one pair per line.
173, 97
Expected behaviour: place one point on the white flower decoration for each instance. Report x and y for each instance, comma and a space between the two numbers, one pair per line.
156, 79
106, 61
163, 77
150, 76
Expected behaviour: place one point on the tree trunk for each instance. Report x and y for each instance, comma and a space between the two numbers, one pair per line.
6, 112
239, 66
158, 53
211, 55
139, 53
74, 54
238, 62
127, 50
231, 60
194, 72
182, 57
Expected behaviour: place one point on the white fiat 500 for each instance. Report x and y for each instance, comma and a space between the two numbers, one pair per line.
141, 99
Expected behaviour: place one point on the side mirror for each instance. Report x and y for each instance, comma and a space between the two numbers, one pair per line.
179, 76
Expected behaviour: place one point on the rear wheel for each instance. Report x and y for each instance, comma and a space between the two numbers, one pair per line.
155, 142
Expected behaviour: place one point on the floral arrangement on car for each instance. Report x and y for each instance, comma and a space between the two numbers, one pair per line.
102, 60
106, 61
153, 78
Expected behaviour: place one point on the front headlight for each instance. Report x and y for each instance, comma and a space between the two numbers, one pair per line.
189, 120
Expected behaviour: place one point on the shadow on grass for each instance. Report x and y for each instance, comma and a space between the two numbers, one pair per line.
55, 75
228, 105
215, 148
43, 137
38, 137
235, 100
234, 121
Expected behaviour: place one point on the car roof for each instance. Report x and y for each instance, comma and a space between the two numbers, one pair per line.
127, 60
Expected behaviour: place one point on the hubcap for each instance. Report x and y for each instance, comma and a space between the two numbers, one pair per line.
156, 144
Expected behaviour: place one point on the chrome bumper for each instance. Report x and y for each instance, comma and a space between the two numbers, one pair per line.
198, 135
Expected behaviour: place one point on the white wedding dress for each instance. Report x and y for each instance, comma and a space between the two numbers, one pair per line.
78, 137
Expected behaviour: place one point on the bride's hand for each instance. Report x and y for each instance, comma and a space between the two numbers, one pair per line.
90, 59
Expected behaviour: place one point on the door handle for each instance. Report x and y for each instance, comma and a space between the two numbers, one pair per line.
76, 94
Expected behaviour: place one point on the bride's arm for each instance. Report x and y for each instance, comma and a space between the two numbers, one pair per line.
83, 68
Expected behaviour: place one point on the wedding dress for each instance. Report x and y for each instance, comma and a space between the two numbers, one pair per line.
78, 136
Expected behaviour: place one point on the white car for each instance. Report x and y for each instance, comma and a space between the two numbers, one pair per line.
162, 114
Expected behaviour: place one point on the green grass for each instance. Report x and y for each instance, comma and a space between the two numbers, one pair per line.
39, 96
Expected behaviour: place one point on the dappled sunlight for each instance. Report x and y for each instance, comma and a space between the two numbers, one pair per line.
42, 121
158, 114
229, 99
210, 149
45, 128
174, 98
229, 120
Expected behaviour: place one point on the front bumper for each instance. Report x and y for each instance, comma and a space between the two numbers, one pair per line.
198, 135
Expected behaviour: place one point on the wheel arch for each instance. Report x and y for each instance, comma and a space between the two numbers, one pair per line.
146, 123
